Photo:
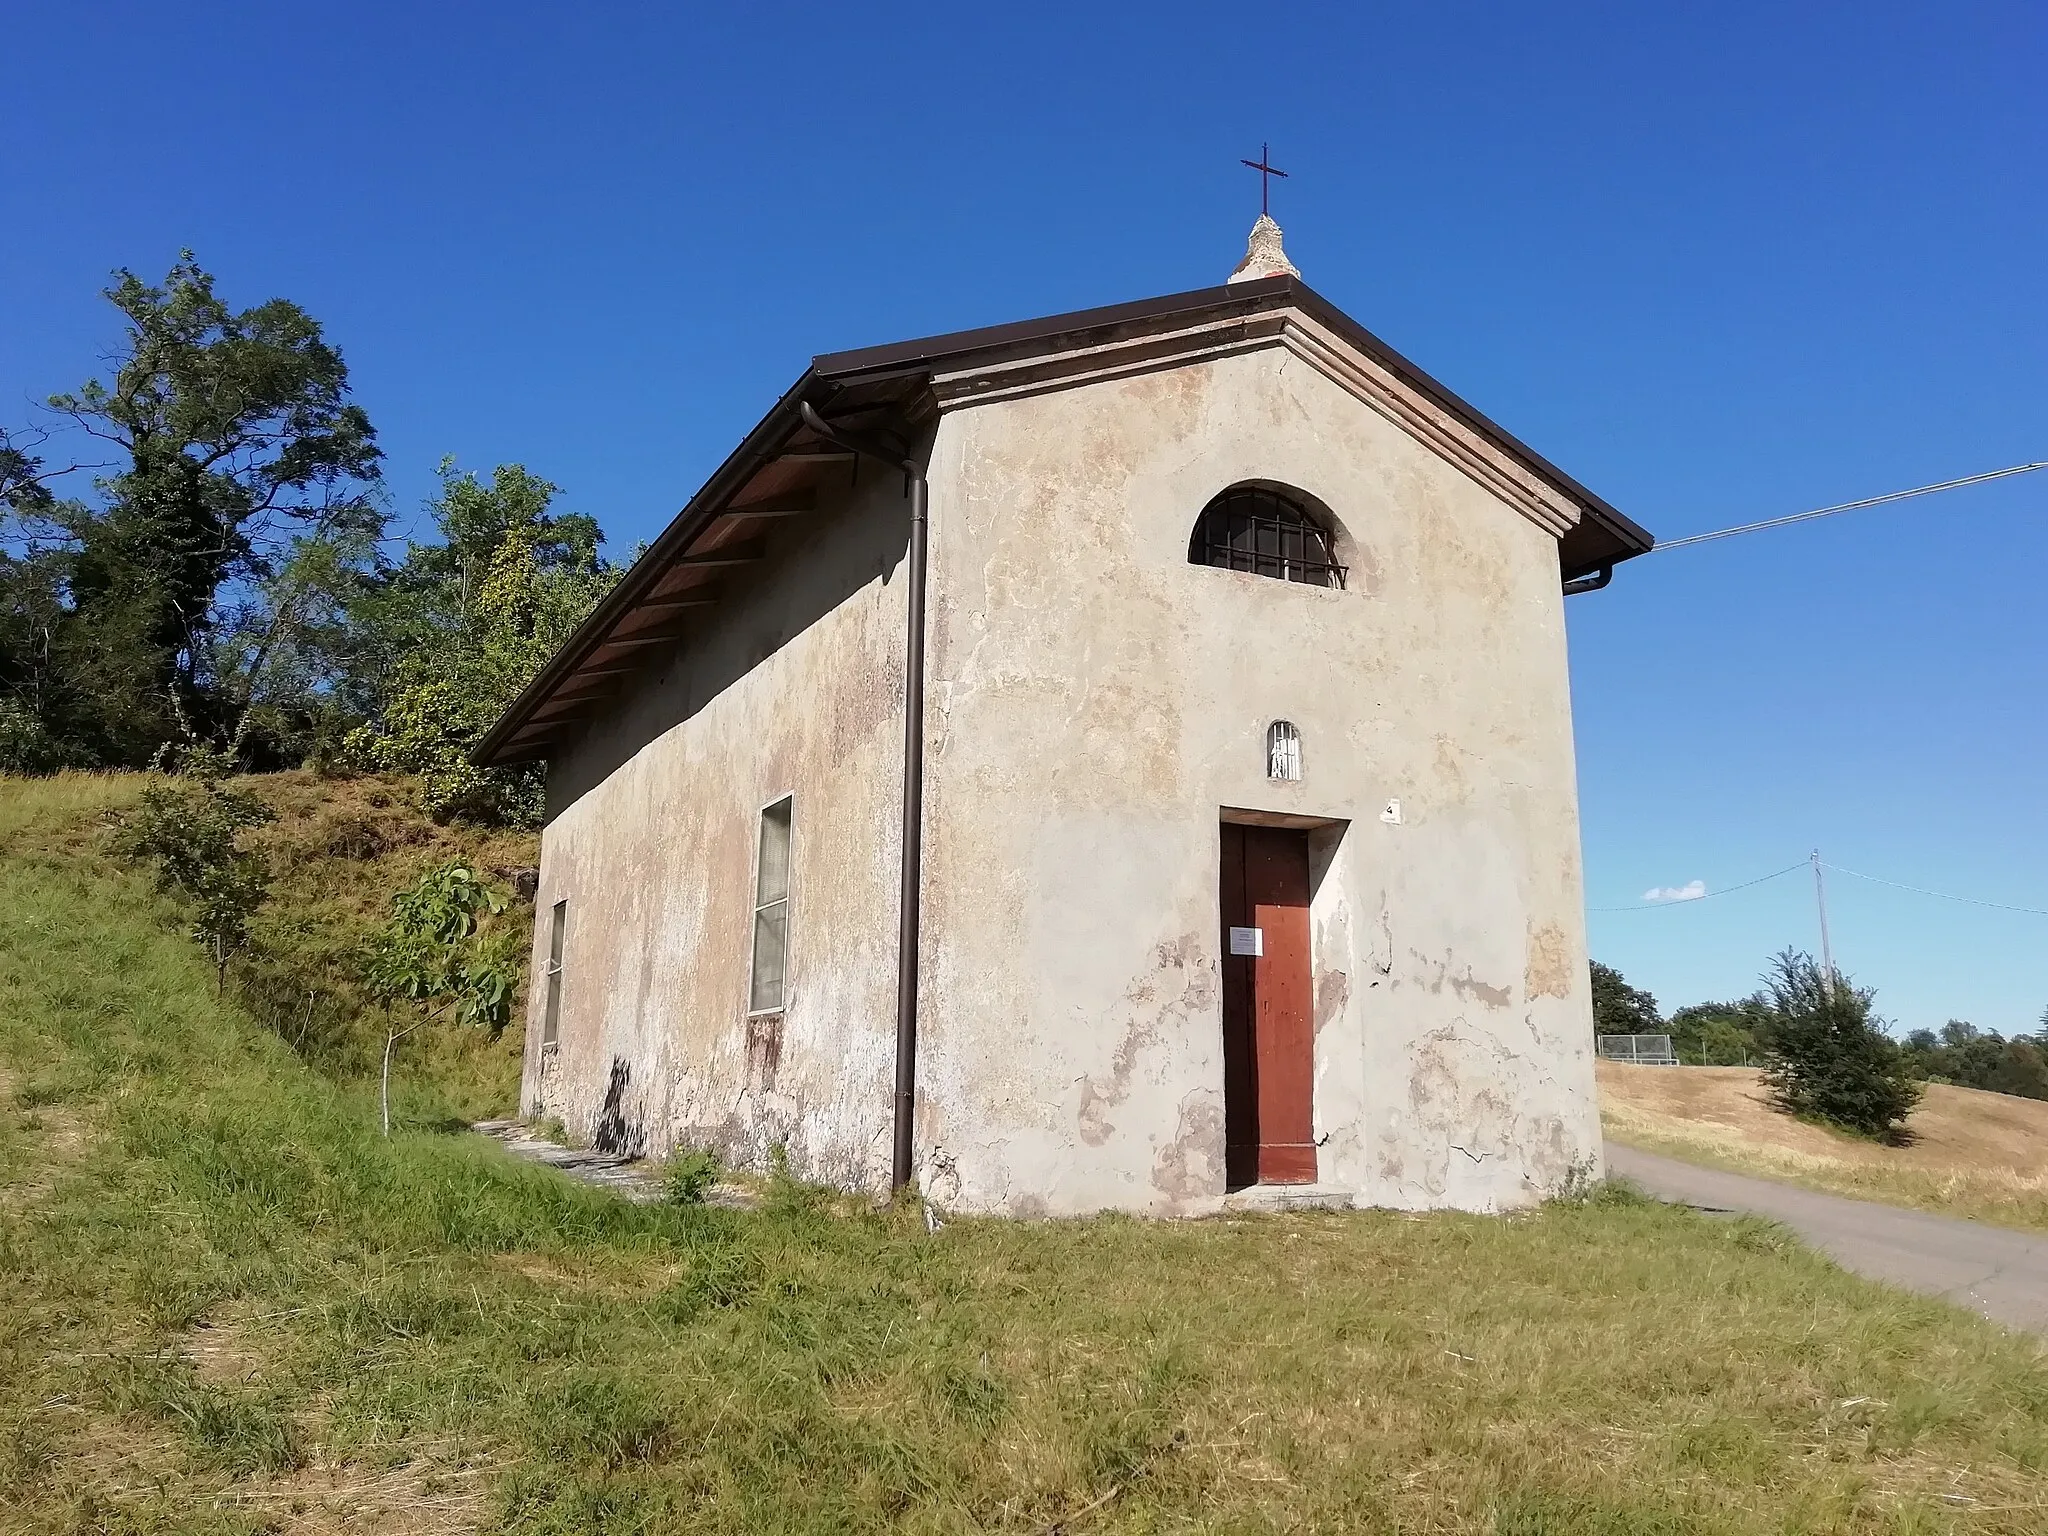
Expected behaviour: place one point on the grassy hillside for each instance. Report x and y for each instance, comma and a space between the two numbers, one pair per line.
338, 850
232, 1306
1983, 1155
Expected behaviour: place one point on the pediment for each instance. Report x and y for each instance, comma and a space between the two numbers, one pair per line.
1295, 330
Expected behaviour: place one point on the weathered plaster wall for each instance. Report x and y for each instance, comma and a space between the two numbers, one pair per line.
791, 685
1095, 700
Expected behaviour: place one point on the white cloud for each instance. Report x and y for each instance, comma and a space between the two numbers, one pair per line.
1692, 891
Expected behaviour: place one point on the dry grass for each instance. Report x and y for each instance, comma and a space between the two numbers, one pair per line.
426, 1495
1983, 1155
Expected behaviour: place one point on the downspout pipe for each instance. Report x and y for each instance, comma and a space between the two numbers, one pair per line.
909, 912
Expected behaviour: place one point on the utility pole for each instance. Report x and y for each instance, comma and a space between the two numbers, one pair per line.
1827, 955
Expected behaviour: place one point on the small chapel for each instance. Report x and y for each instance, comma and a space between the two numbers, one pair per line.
1121, 760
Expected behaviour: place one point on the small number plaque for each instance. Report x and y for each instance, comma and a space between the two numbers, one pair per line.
1247, 941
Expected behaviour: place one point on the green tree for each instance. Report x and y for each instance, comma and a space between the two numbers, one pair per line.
441, 955
34, 604
463, 625
1721, 1034
234, 447
1971, 1057
1620, 1009
1827, 1057
24, 487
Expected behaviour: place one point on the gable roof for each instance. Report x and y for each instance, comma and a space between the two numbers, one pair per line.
776, 469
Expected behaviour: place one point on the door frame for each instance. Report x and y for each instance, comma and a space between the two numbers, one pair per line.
1323, 837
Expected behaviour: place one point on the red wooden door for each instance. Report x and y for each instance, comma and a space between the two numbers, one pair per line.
1268, 1030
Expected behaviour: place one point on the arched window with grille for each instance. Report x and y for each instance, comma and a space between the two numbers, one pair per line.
1283, 750
1268, 533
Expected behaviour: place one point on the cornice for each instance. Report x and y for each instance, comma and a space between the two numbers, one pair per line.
1301, 335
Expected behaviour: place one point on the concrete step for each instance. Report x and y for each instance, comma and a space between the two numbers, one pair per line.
1289, 1197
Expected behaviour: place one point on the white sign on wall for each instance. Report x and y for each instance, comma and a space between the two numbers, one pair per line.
1247, 941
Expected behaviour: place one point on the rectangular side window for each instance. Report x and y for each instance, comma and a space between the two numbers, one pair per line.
771, 912
551, 1016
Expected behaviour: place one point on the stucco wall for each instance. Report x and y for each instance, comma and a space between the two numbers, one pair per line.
1095, 700
791, 685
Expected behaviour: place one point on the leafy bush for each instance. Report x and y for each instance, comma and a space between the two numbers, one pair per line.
440, 953
191, 832
691, 1175
1825, 1055
26, 744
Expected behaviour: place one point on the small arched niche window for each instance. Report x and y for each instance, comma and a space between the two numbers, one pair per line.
1269, 533
1283, 750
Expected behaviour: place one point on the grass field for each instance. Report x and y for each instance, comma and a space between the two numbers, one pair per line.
232, 1307
1983, 1155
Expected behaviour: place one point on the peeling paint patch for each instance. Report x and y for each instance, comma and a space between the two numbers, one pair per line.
1549, 970
764, 1051
1332, 992
1093, 1121
1475, 991
1191, 992
1459, 1094
1191, 1165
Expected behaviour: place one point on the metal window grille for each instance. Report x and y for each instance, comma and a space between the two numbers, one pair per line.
1261, 531
771, 912
551, 1017
1643, 1050
1283, 750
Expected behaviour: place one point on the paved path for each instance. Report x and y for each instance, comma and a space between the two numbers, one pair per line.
632, 1178
1993, 1271
625, 1176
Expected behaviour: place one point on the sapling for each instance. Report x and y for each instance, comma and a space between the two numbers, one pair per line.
440, 953
190, 830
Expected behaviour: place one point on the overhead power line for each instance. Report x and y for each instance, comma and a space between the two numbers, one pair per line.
2002, 906
1691, 901
1807, 863
1847, 506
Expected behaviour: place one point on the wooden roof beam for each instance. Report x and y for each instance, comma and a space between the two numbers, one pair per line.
737, 554
557, 711
602, 689
794, 505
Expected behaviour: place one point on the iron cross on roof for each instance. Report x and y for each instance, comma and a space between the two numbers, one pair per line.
1265, 170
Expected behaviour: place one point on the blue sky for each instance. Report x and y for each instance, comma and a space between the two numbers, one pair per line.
1720, 265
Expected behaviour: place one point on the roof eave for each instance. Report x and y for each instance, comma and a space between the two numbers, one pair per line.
755, 449
1619, 537
1604, 538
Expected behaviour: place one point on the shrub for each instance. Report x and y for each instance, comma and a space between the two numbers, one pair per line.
691, 1175
1825, 1056
191, 832
440, 953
